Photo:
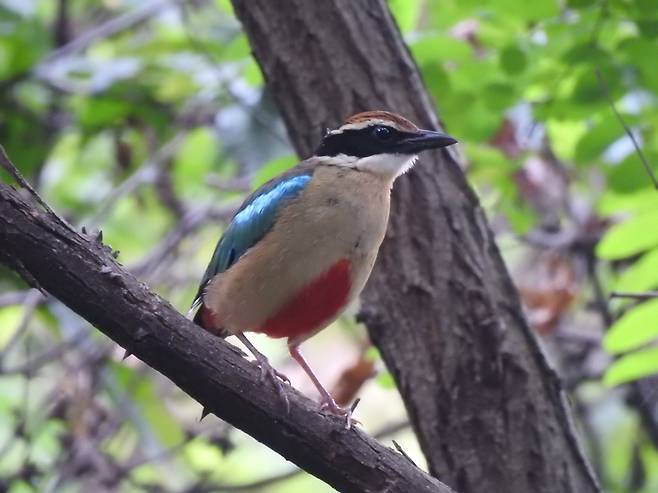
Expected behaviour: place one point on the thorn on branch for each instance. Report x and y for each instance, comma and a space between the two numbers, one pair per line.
404, 454
126, 354
348, 416
204, 412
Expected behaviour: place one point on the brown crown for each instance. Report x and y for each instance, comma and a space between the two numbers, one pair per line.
399, 121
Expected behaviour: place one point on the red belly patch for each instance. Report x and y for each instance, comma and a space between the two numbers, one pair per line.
319, 301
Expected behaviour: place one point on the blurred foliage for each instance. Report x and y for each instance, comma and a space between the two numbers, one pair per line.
149, 120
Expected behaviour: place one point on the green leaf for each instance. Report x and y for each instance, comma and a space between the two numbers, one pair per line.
586, 53
10, 320
20, 486
469, 118
372, 354
636, 49
630, 175
646, 7
175, 86
194, 160
648, 28
385, 379
513, 60
46, 445
579, 4
153, 409
490, 161
565, 135
406, 13
632, 367
499, 96
272, 169
440, 48
642, 275
629, 237
531, 11
253, 75
202, 455
519, 215
636, 327
587, 90
597, 139
101, 111
642, 200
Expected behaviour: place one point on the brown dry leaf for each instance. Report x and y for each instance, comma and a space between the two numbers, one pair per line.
352, 379
505, 139
549, 292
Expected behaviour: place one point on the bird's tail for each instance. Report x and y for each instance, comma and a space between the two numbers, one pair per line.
204, 318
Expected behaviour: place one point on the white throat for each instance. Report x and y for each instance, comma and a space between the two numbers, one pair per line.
385, 165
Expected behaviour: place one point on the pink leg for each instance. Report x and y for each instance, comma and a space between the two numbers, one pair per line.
266, 369
327, 401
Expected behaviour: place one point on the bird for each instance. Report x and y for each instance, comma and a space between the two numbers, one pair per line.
301, 247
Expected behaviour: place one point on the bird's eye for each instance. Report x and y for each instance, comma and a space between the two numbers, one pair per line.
382, 133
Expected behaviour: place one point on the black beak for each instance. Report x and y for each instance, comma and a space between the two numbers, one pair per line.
425, 139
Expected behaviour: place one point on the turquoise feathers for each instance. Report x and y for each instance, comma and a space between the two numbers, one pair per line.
252, 222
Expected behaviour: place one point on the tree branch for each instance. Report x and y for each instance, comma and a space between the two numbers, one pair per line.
635, 296
83, 275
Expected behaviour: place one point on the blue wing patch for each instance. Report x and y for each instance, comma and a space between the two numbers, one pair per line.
251, 223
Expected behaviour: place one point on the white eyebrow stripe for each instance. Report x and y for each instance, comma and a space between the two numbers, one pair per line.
364, 124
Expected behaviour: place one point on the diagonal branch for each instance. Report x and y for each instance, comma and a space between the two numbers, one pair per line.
83, 275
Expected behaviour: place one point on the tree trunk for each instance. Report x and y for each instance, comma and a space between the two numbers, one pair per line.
489, 412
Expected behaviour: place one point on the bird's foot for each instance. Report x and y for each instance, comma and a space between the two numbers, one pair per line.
267, 371
278, 379
329, 405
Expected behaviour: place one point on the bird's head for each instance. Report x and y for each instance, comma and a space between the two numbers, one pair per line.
378, 142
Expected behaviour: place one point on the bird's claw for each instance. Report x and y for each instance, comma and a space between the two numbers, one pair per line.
331, 407
277, 378
268, 371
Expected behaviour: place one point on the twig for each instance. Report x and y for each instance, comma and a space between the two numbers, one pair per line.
147, 173
191, 221
638, 149
387, 430
260, 116
13, 171
31, 301
17, 298
107, 29
600, 301
643, 399
34, 364
636, 296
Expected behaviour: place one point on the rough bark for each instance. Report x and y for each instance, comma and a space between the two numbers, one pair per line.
490, 414
82, 274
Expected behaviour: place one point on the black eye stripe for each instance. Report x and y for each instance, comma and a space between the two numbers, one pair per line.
360, 143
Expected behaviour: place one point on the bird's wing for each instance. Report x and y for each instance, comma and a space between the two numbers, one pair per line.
253, 221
